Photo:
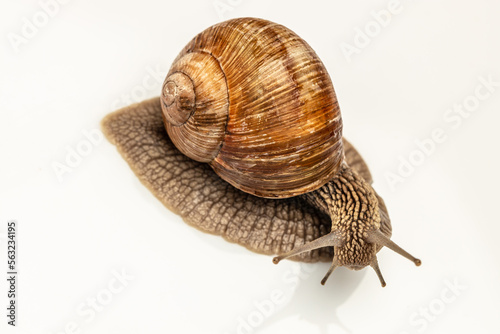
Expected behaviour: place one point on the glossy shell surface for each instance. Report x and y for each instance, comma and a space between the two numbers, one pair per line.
264, 113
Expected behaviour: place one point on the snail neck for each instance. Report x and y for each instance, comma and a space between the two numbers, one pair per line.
353, 207
346, 198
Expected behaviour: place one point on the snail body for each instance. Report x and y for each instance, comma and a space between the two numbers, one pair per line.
252, 100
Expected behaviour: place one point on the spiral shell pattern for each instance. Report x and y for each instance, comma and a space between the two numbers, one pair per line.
252, 99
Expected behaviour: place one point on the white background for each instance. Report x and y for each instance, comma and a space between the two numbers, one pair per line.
78, 231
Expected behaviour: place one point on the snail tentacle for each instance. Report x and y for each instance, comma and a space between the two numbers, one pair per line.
334, 265
378, 238
330, 239
374, 265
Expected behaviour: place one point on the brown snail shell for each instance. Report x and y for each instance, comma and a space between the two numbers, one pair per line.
269, 125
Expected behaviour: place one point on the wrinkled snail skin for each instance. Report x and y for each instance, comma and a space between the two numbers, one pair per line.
358, 231
252, 100
193, 191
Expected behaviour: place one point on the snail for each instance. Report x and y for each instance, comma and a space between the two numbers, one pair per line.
246, 142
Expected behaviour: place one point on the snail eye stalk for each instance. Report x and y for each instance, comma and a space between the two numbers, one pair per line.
376, 237
330, 239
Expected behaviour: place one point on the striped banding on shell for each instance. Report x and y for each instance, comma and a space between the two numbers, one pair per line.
252, 99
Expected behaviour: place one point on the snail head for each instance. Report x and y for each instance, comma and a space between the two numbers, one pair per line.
357, 233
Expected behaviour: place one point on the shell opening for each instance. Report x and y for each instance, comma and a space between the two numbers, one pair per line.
178, 98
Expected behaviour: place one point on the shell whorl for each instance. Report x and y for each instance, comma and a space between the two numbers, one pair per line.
178, 98
265, 115
195, 105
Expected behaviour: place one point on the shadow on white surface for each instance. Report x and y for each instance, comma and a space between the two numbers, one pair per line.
318, 304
